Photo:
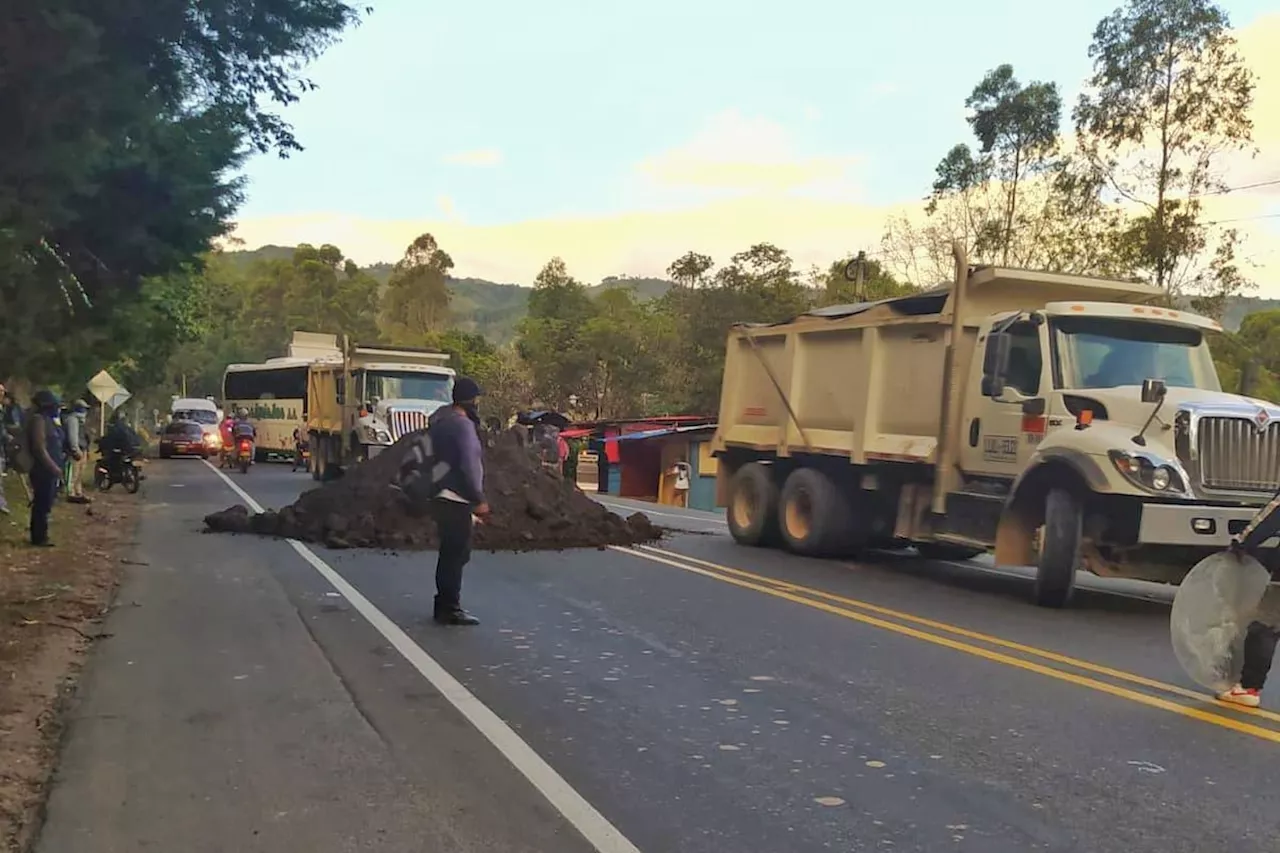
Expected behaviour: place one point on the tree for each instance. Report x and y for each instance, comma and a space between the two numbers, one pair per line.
416, 302
690, 269
551, 336
625, 342
131, 125
1168, 95
1017, 128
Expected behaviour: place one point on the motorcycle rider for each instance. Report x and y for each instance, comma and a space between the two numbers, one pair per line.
243, 429
299, 449
226, 431
119, 442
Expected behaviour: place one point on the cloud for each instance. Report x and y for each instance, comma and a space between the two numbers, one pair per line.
742, 180
743, 154
480, 157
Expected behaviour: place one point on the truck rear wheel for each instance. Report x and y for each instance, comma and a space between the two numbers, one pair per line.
814, 516
753, 507
1059, 548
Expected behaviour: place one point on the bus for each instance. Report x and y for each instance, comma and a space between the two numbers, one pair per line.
275, 393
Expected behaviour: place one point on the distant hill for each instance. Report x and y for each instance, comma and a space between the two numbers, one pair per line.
483, 307
493, 310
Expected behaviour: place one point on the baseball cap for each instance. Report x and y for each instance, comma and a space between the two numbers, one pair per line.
465, 388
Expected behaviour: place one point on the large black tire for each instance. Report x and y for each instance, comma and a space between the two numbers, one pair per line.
1059, 548
101, 481
131, 479
753, 507
945, 551
815, 518
165, 454
317, 457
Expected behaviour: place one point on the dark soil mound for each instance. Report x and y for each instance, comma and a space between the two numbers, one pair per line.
532, 509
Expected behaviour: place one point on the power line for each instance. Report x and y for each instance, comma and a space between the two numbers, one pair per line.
1244, 219
1254, 186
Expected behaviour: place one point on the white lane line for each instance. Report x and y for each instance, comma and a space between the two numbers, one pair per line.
599, 832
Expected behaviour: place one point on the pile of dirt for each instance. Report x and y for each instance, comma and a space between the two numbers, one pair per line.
532, 509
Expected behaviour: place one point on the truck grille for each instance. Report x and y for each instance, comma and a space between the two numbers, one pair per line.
1236, 457
403, 423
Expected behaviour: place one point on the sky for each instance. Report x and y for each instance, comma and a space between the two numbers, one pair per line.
618, 138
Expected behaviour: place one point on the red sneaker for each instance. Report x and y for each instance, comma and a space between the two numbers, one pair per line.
1249, 697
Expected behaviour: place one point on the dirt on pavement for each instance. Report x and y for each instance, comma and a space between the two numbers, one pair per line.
532, 509
51, 604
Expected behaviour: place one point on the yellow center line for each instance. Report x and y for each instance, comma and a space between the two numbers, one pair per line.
1236, 725
1119, 674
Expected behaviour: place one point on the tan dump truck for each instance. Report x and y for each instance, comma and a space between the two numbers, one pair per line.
362, 399
1060, 421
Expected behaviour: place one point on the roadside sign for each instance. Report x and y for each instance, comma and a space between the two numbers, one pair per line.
103, 387
118, 399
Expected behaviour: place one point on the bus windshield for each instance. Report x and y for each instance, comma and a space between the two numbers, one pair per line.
276, 383
1105, 352
408, 385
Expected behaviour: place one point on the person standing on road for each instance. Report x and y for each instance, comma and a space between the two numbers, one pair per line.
47, 444
1260, 639
460, 502
78, 444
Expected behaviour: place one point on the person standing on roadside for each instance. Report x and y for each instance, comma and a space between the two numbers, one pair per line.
47, 444
5, 440
455, 437
78, 445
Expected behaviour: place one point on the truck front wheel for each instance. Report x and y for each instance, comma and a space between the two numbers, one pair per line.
753, 506
814, 516
1059, 548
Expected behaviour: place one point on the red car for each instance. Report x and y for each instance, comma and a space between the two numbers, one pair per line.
186, 438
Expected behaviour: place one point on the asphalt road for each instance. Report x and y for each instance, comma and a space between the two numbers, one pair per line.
696, 696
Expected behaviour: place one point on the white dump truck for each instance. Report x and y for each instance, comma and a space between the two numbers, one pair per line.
361, 399
1059, 421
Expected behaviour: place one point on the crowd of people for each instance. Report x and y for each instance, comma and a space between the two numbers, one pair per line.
46, 447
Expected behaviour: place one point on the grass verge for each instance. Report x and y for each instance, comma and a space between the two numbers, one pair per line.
51, 605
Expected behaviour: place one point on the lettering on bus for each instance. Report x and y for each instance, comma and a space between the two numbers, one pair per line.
271, 412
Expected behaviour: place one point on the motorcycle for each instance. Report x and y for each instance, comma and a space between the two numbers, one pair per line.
244, 453
117, 466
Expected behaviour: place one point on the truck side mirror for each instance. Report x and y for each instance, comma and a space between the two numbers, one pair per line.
1153, 390
995, 363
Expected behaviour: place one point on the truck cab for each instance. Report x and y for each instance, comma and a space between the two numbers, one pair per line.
395, 399
1119, 406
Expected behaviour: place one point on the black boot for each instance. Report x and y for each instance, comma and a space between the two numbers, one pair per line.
454, 615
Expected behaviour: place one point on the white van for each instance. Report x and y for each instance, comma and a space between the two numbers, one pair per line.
197, 409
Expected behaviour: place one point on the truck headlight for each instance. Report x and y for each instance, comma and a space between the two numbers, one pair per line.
1152, 474
377, 435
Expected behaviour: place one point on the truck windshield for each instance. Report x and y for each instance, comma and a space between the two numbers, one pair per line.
408, 385
1105, 352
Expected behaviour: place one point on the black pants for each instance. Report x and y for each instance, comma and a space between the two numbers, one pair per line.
454, 522
44, 488
1259, 651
